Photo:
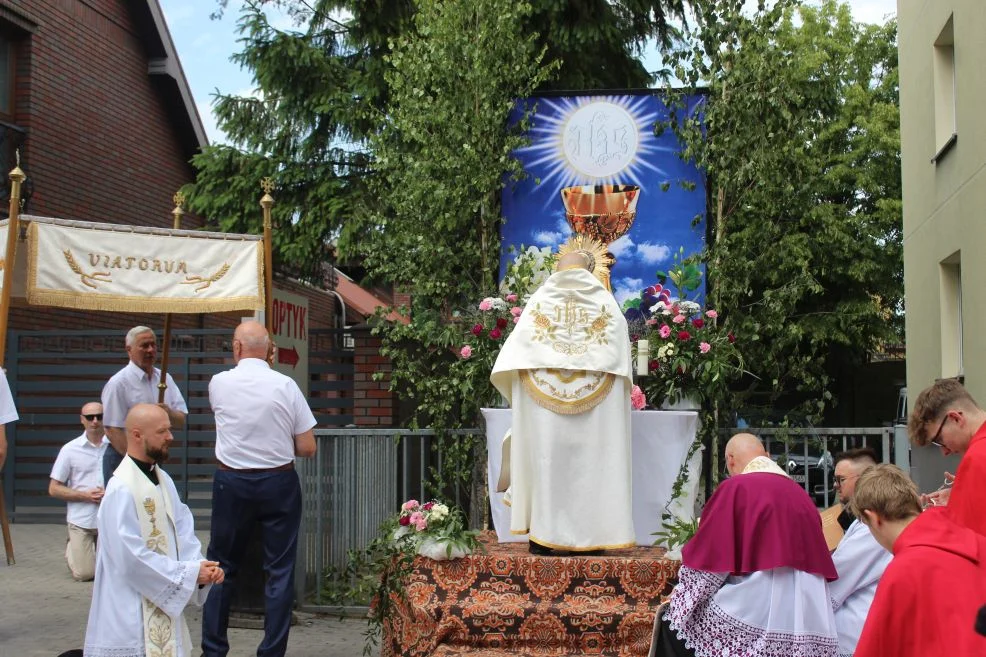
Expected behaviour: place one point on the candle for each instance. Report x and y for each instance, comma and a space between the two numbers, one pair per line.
643, 355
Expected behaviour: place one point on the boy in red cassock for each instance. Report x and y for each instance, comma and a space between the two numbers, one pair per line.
929, 595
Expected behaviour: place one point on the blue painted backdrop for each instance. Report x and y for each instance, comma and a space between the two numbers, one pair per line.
578, 140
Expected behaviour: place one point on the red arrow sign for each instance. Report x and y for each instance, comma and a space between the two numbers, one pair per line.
288, 357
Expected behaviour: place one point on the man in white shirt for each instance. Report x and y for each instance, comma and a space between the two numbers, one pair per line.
7, 414
77, 478
137, 383
262, 422
859, 559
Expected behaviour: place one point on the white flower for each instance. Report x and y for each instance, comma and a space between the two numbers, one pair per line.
665, 351
498, 303
438, 512
689, 307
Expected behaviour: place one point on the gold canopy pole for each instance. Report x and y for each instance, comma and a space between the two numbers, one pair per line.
162, 385
13, 232
267, 202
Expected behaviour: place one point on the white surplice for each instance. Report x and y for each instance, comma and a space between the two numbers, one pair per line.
860, 562
127, 570
768, 613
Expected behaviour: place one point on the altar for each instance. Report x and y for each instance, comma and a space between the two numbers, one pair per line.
660, 442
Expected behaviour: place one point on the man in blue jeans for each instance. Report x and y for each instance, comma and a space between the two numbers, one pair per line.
262, 422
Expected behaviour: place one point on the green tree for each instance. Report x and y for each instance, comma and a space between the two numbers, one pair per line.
800, 142
323, 88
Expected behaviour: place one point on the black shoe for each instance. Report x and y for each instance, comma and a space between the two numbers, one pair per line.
537, 548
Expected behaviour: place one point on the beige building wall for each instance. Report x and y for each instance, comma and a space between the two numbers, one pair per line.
942, 47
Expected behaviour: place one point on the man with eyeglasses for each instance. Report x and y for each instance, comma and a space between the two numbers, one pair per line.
77, 478
859, 559
946, 415
927, 600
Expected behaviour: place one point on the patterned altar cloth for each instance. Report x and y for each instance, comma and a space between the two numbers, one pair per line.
507, 602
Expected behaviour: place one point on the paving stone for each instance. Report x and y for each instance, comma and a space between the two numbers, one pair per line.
43, 612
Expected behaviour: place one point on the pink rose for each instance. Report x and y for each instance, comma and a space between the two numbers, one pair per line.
485, 304
651, 321
516, 319
665, 331
711, 314
678, 319
418, 520
637, 398
410, 504
466, 351
516, 311
511, 297
704, 347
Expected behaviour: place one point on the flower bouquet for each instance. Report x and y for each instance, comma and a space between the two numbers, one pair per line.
434, 531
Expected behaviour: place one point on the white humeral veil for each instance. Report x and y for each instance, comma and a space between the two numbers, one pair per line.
146, 569
566, 371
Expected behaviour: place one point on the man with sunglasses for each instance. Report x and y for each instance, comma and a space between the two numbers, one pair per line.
946, 415
77, 478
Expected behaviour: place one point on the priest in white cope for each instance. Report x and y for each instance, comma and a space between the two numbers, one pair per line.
753, 578
566, 371
859, 558
149, 564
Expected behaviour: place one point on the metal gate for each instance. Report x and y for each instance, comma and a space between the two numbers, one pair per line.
53, 373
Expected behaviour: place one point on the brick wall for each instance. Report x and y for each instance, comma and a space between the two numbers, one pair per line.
374, 403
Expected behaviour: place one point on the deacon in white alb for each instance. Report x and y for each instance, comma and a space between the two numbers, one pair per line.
149, 565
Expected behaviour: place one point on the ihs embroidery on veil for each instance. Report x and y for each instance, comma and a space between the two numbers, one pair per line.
570, 328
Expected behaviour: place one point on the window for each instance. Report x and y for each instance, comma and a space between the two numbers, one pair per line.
950, 282
944, 91
7, 70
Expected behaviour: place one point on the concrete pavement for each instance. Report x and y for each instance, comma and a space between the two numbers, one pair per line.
43, 612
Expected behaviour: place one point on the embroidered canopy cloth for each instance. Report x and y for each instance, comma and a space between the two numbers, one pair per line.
93, 266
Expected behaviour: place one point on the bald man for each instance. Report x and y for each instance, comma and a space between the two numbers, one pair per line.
149, 565
753, 577
262, 422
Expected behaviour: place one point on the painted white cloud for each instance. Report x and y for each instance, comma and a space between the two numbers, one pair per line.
546, 237
652, 254
622, 247
626, 288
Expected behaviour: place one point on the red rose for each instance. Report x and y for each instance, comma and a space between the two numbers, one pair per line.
681, 370
501, 323
698, 323
684, 335
495, 334
427, 506
404, 521
477, 329
731, 338
654, 365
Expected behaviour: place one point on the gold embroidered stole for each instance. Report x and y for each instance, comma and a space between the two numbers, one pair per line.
764, 464
160, 631
567, 392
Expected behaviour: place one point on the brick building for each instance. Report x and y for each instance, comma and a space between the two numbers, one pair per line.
93, 95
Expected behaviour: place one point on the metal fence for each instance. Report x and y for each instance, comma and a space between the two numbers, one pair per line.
357, 479
808, 454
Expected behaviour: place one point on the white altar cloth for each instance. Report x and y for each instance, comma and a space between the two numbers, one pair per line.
660, 441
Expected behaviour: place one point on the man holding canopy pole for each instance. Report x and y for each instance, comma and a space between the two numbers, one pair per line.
137, 383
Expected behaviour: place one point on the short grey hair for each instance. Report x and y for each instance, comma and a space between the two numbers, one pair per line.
135, 331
